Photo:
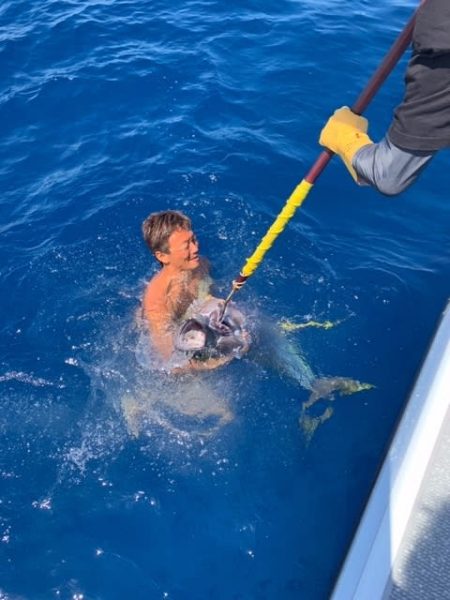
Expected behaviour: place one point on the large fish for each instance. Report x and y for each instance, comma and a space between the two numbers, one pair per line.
206, 335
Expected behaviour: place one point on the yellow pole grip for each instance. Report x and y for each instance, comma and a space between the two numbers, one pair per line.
294, 201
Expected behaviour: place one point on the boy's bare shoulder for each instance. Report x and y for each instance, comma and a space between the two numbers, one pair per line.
155, 293
161, 296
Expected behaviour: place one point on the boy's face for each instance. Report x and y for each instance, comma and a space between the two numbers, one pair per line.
183, 251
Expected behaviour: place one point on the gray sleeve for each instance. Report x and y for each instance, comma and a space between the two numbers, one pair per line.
389, 168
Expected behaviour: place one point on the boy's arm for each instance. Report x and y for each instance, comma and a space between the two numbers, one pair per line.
158, 317
160, 333
202, 365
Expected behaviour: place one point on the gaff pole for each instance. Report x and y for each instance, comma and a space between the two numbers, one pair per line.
300, 193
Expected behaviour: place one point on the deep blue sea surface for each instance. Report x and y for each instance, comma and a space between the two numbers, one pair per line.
112, 109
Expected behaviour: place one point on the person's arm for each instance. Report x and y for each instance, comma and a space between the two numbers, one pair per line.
387, 167
201, 365
383, 165
160, 332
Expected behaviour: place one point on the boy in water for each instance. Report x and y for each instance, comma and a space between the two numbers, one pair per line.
183, 278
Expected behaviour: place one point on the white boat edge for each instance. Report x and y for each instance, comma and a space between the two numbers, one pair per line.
366, 571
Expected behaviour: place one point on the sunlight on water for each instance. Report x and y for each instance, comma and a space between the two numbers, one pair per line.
117, 480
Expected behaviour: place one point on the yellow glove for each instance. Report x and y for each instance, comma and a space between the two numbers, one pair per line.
345, 133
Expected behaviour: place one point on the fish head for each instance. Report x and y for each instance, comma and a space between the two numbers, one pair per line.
212, 333
223, 322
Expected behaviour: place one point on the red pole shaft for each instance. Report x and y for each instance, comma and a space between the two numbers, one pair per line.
374, 84
376, 81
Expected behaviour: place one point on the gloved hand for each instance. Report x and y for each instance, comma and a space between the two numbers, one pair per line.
345, 133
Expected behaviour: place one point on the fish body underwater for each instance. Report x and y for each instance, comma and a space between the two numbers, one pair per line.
204, 334
273, 347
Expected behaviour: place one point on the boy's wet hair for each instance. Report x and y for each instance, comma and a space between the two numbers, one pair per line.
158, 227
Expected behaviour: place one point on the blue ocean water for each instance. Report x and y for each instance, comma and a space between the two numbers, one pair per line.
110, 110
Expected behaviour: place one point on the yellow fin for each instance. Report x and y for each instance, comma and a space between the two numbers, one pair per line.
288, 326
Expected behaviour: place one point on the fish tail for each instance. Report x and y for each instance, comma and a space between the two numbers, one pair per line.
324, 388
309, 424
